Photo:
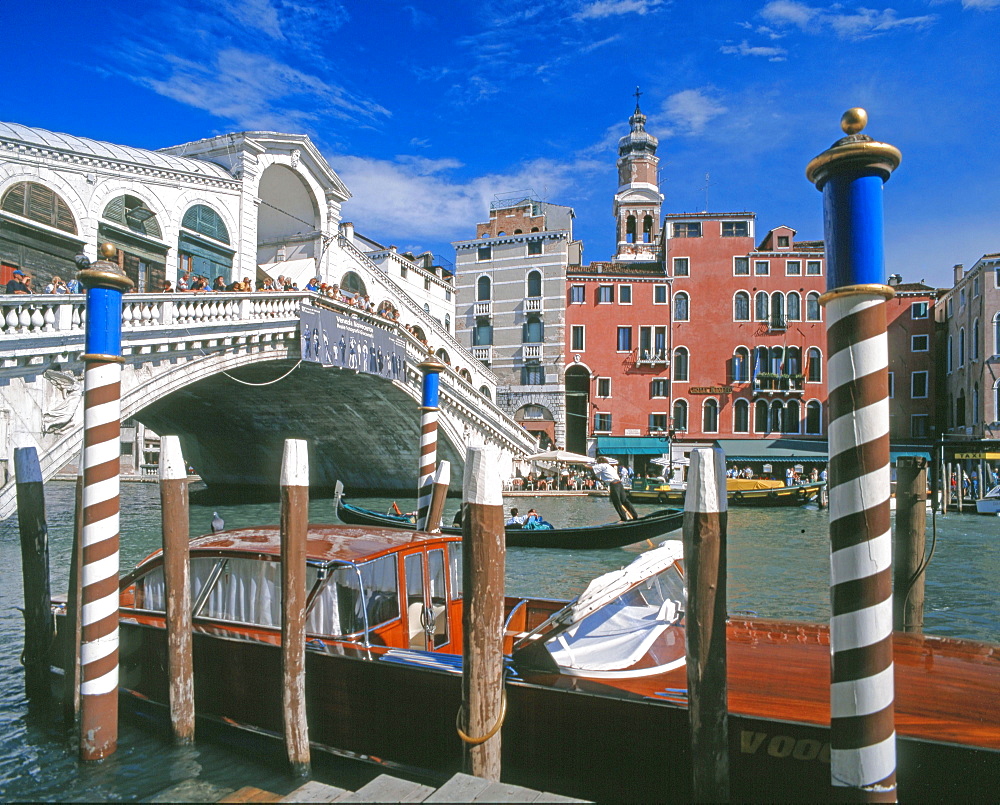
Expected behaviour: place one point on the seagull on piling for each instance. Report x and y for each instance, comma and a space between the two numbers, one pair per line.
218, 524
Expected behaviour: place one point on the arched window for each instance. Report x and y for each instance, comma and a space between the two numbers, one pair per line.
447, 322
974, 352
760, 424
681, 364
812, 307
792, 415
681, 306
352, 283
132, 212
741, 365
741, 306
794, 303
793, 361
681, 415
760, 306
206, 221
814, 372
485, 391
950, 354
996, 334
483, 289
534, 284
813, 417
38, 203
777, 420
760, 362
647, 229
444, 357
961, 347
741, 416
630, 229
534, 330
777, 309
710, 416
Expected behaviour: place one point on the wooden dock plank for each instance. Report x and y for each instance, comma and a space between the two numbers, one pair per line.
251, 794
390, 789
193, 790
466, 788
314, 791
460, 788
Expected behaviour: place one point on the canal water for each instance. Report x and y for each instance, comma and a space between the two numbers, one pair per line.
778, 567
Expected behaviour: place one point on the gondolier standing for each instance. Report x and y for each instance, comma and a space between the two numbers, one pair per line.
619, 497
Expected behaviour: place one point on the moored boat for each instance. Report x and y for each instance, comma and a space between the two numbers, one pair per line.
739, 492
608, 535
595, 688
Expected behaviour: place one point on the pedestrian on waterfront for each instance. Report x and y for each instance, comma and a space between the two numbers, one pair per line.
56, 286
219, 284
184, 282
18, 283
789, 477
167, 287
975, 483
814, 475
619, 497
515, 519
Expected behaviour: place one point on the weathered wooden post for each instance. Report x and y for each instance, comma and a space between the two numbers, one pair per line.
851, 174
908, 556
71, 677
177, 581
484, 701
294, 533
38, 629
105, 282
432, 368
705, 516
442, 478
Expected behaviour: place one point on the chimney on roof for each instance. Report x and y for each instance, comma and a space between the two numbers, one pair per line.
347, 230
894, 280
959, 271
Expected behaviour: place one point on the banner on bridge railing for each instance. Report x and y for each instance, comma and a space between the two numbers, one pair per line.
347, 341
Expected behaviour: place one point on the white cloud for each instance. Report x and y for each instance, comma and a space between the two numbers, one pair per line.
746, 49
686, 112
981, 5
599, 9
863, 23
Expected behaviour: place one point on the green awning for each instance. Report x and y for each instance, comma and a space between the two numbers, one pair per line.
774, 450
903, 451
633, 445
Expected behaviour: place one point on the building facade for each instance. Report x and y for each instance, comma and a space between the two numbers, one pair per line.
911, 338
510, 284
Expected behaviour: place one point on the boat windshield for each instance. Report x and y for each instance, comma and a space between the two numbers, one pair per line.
355, 598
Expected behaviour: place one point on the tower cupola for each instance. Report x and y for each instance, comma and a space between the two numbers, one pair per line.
638, 200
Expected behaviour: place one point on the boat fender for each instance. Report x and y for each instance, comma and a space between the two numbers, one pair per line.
662, 497
772, 494
737, 496
493, 730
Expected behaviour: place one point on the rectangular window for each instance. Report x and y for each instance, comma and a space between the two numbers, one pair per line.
793, 268
918, 385
783, 241
624, 294
814, 267
533, 374
892, 385
741, 266
659, 387
604, 387
919, 310
975, 286
658, 422
602, 423
919, 343
447, 294
659, 294
605, 294
576, 338
624, 339
918, 426
949, 308
735, 229
577, 294
534, 247
403, 271
484, 253
687, 229
653, 344
427, 284
762, 268
682, 267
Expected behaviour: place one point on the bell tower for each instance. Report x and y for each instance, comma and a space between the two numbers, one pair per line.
638, 200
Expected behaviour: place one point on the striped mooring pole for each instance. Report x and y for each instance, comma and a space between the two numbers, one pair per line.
431, 368
105, 282
850, 175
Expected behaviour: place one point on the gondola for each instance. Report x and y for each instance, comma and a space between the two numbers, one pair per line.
610, 535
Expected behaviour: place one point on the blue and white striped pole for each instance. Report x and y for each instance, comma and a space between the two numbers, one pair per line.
105, 282
851, 174
431, 368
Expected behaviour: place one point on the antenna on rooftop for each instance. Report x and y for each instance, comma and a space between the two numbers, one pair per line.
708, 184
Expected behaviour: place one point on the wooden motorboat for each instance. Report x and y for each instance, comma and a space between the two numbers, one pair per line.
609, 535
990, 503
595, 688
739, 492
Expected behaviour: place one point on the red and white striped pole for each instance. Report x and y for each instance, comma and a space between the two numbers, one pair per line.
432, 368
105, 282
862, 711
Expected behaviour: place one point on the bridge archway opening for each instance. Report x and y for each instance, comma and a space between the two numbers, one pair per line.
288, 225
539, 422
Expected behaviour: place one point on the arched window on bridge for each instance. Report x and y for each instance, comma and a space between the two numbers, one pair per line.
34, 203
443, 356
203, 244
485, 391
38, 203
144, 260
465, 374
352, 283
418, 332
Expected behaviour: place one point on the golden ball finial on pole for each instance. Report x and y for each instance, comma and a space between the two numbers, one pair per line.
854, 120
107, 250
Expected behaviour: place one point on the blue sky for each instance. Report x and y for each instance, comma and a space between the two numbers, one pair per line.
429, 110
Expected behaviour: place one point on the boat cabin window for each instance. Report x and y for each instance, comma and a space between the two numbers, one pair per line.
340, 609
246, 591
150, 591
414, 570
439, 595
455, 568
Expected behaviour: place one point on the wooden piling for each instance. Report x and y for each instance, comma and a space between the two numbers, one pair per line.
294, 533
38, 628
705, 520
908, 554
71, 661
177, 581
439, 494
483, 558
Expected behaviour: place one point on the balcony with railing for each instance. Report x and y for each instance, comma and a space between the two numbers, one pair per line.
484, 308
533, 304
775, 383
777, 321
484, 354
652, 357
532, 351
